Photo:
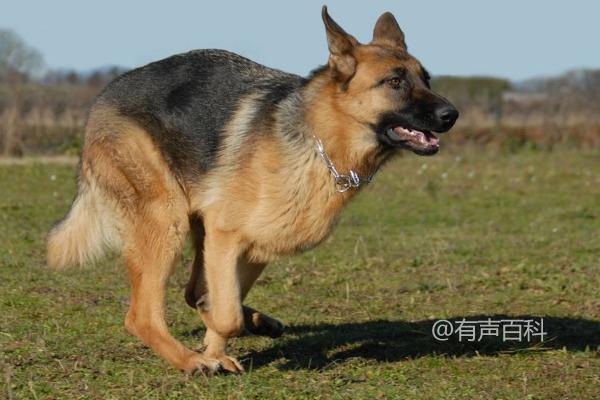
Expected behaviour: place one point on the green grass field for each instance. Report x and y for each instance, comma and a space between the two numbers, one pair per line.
480, 235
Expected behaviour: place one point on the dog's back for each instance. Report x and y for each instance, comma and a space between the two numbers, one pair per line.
186, 100
158, 126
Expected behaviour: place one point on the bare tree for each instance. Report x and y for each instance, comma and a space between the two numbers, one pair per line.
18, 61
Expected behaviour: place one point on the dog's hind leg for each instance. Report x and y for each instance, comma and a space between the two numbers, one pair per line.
196, 293
149, 255
195, 289
153, 224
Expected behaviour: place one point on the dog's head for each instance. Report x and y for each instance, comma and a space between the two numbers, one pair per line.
385, 88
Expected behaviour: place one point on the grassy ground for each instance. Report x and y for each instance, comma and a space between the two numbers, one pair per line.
444, 237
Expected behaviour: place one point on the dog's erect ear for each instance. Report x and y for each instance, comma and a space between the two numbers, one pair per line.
341, 45
387, 32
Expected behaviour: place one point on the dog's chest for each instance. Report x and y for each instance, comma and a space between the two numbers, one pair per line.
294, 218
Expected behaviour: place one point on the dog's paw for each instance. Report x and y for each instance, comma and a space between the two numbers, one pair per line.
230, 364
262, 325
202, 365
211, 365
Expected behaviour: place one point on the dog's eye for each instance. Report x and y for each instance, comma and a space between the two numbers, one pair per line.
395, 83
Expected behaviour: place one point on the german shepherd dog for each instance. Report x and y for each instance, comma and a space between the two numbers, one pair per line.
254, 162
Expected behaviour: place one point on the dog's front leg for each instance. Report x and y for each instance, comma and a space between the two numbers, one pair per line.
196, 292
222, 310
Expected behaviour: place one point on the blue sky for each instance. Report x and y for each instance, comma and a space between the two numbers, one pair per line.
513, 39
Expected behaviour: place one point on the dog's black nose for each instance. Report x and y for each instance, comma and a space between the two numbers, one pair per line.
447, 116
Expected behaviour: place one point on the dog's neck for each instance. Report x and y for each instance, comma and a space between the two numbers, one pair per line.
350, 144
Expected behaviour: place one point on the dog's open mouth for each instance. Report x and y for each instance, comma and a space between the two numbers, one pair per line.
421, 142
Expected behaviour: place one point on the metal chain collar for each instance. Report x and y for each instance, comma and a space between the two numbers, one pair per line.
342, 182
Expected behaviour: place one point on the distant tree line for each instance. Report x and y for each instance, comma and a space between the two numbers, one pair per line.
44, 110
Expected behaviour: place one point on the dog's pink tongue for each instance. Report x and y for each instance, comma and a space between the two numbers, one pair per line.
416, 136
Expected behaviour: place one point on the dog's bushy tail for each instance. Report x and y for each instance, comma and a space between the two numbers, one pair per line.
88, 230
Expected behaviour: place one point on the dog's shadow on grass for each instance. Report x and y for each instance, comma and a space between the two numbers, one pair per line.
319, 346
